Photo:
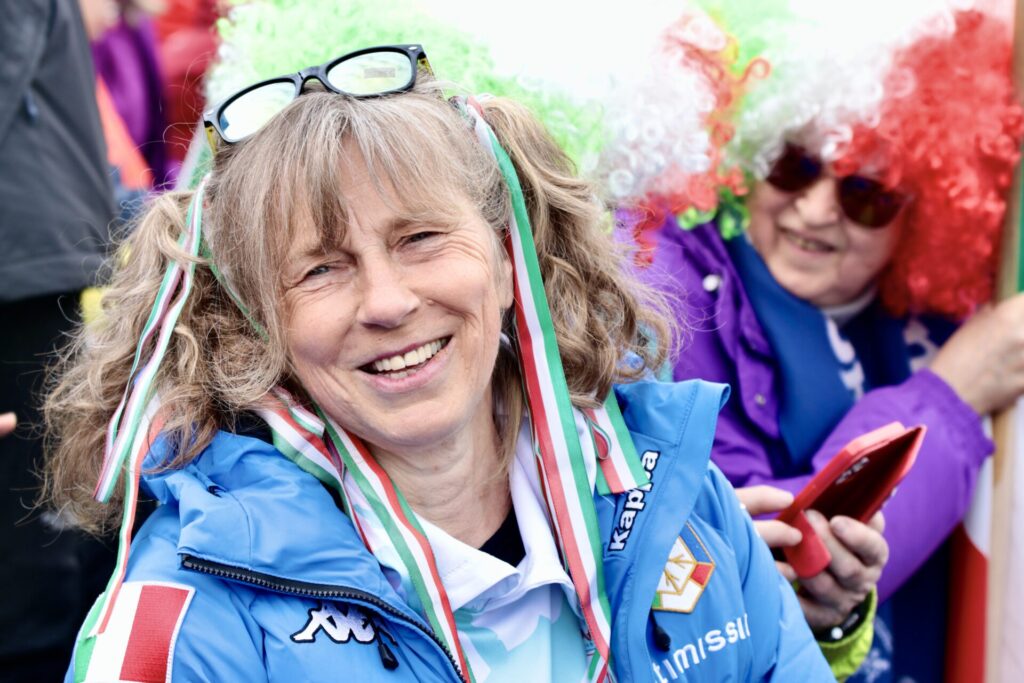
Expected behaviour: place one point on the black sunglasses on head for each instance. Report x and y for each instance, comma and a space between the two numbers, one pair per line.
370, 72
863, 200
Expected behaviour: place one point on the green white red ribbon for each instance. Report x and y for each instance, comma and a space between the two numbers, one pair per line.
163, 317
558, 446
325, 450
620, 466
99, 617
146, 431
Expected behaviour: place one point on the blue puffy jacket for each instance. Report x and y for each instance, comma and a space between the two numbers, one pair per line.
248, 571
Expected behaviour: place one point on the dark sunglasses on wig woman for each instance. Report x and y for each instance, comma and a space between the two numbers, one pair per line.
370, 72
863, 200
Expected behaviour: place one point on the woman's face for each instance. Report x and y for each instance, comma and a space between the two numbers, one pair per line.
395, 334
812, 249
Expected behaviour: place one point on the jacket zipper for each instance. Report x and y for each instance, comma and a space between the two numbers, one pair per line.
313, 590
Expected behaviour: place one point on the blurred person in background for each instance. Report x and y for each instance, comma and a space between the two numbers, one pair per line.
124, 51
131, 66
56, 201
830, 296
187, 44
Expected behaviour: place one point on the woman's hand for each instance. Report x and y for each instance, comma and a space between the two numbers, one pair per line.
859, 552
762, 500
984, 360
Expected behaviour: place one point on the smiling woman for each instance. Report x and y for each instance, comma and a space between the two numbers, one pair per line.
855, 299
374, 397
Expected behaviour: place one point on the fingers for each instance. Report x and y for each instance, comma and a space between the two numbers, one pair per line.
761, 499
8, 421
787, 571
984, 360
848, 579
877, 522
777, 534
859, 551
865, 541
825, 602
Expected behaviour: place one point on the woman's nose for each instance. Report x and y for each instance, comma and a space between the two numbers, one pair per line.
386, 299
818, 205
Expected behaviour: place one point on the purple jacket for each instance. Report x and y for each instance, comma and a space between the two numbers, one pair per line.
723, 342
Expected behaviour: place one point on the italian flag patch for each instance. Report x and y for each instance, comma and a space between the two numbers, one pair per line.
137, 645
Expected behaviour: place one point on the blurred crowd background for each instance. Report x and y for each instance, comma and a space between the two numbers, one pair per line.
100, 103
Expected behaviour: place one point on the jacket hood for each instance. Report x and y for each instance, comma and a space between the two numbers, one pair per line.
244, 504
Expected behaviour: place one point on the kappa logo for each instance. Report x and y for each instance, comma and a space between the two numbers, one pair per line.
686, 574
341, 623
635, 503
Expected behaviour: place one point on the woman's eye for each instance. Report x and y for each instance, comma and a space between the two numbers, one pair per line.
420, 236
318, 270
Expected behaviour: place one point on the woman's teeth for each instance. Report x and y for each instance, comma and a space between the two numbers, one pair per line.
806, 243
396, 365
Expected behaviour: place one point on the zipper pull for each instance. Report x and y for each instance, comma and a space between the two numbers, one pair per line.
662, 640
387, 656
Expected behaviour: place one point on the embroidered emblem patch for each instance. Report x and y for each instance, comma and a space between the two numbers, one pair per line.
138, 643
686, 574
341, 623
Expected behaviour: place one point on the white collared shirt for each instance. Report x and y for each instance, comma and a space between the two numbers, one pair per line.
515, 623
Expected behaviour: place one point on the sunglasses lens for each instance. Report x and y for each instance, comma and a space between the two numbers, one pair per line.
372, 73
247, 113
795, 170
868, 202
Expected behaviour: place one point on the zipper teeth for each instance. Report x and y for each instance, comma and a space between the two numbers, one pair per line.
224, 571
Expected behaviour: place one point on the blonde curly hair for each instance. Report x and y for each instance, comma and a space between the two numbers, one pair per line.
219, 366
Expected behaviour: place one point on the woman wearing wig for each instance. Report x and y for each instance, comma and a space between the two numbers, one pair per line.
383, 447
867, 240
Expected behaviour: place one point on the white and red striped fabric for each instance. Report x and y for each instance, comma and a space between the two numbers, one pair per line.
1010, 656
965, 643
986, 619
138, 644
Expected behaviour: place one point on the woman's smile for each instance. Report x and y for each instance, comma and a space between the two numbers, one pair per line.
805, 243
408, 370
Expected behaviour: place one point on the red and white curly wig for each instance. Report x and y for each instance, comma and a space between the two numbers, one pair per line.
932, 110
949, 133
